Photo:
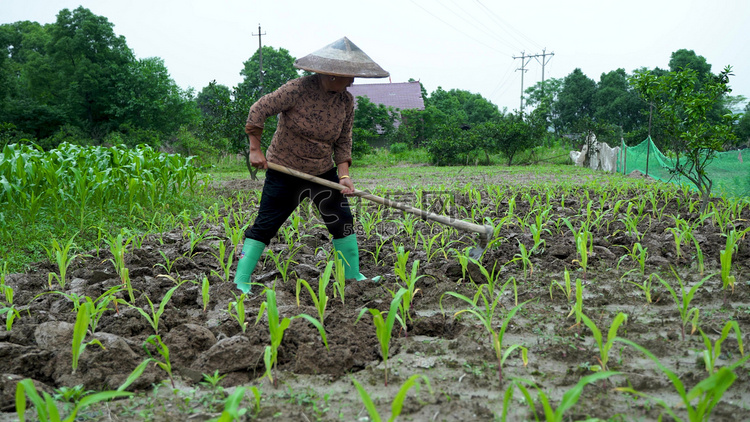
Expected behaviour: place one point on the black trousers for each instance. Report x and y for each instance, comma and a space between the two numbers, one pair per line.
282, 194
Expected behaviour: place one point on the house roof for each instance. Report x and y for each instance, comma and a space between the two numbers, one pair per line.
400, 95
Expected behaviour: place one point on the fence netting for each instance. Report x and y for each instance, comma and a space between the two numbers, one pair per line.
728, 170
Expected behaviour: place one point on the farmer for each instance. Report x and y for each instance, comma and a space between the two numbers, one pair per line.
314, 136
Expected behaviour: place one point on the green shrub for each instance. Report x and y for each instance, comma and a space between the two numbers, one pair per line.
399, 148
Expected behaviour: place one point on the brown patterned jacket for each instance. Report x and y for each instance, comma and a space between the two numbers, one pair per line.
314, 125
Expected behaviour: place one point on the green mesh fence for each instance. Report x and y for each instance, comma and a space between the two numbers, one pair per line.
729, 171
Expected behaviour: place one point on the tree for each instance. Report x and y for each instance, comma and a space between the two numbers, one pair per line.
541, 96
278, 68
509, 135
616, 103
147, 98
575, 101
742, 130
87, 58
685, 109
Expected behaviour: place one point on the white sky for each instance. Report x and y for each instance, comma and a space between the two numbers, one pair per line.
462, 44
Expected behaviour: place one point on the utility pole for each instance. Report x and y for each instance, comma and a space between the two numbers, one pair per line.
260, 55
524, 61
543, 62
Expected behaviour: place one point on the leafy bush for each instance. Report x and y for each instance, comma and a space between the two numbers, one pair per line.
361, 139
399, 148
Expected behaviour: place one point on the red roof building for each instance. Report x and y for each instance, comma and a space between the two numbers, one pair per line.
400, 95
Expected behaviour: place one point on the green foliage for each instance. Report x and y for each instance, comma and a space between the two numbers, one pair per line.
46, 407
685, 103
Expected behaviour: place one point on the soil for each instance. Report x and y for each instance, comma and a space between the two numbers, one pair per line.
452, 350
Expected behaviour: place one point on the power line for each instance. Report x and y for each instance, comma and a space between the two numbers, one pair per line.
456, 29
523, 69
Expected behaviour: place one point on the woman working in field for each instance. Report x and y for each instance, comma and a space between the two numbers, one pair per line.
314, 136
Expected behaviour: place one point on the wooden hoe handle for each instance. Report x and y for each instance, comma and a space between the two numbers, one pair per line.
485, 231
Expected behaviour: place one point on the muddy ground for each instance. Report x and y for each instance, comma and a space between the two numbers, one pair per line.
454, 352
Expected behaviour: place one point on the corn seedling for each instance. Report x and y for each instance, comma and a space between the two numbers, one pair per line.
384, 326
727, 279
713, 351
168, 263
224, 258
604, 347
282, 265
582, 237
397, 405
707, 392
339, 277
687, 314
10, 311
194, 238
46, 408
577, 308
118, 246
155, 313
378, 248
320, 300
232, 410
276, 328
524, 256
236, 310
205, 295
569, 398
63, 258
567, 288
638, 254
646, 286
161, 348
79, 334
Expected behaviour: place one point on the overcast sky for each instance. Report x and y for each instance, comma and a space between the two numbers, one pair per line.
462, 44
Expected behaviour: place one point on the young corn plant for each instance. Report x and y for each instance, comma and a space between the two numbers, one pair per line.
46, 407
577, 308
61, 255
236, 310
566, 288
161, 348
205, 295
582, 238
276, 328
497, 337
638, 255
154, 316
79, 334
320, 300
707, 392
283, 265
384, 326
524, 256
604, 347
339, 278
687, 314
224, 259
118, 246
699, 256
397, 405
410, 282
646, 286
552, 414
713, 351
727, 279
9, 308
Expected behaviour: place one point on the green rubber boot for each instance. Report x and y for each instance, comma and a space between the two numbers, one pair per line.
251, 252
349, 249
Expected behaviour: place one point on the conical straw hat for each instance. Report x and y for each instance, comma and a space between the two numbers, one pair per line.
341, 58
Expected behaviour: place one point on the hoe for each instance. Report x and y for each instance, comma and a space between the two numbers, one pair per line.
485, 232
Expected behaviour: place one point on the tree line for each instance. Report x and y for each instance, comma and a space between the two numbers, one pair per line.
75, 80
